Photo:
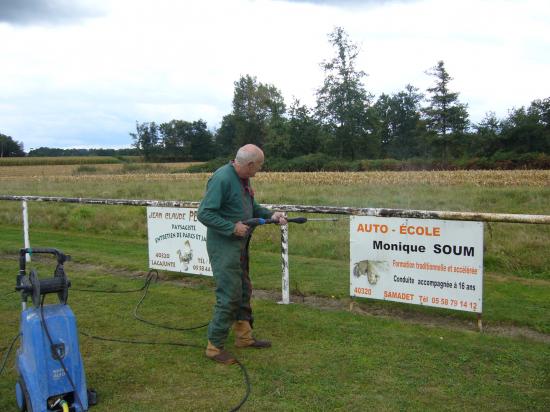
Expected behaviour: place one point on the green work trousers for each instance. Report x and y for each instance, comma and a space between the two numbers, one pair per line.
229, 260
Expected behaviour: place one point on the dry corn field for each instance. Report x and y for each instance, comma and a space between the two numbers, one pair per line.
88, 170
112, 172
65, 160
461, 177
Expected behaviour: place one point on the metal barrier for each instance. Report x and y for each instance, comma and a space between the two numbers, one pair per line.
336, 210
380, 212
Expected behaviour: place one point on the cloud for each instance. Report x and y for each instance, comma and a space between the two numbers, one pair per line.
343, 3
86, 81
27, 12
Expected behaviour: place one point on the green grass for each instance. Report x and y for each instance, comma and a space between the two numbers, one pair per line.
308, 275
402, 357
321, 360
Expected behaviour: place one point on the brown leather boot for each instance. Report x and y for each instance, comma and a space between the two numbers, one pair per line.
244, 338
219, 355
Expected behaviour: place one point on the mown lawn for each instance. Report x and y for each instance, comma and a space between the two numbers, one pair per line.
397, 357
321, 359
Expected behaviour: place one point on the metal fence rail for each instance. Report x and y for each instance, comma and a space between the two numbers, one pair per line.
336, 210
357, 211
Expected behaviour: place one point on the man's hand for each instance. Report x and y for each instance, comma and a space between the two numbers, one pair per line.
240, 229
279, 217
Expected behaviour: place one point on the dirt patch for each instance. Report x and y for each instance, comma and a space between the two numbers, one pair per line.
341, 304
508, 278
417, 318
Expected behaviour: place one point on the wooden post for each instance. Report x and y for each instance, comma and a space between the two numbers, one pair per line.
479, 323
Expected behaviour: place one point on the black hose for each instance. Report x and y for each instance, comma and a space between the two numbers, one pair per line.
45, 327
179, 344
10, 347
248, 387
153, 275
109, 291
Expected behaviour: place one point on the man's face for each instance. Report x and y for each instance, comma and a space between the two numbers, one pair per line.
254, 167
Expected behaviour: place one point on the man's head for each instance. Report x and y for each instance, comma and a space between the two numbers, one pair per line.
248, 161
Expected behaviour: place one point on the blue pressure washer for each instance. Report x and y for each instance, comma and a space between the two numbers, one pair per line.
51, 372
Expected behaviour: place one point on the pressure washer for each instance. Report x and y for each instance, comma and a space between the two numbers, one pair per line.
50, 368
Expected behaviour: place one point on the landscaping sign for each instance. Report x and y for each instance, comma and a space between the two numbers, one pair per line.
177, 241
420, 261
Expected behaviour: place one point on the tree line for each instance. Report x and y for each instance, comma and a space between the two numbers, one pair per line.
348, 123
57, 152
10, 147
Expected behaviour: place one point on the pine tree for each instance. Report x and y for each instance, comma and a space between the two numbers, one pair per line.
446, 117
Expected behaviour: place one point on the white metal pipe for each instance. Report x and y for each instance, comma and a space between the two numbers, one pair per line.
336, 210
26, 230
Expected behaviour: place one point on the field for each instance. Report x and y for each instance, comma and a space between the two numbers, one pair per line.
380, 355
37, 170
67, 160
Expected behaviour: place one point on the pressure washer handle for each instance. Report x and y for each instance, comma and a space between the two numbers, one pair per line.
257, 221
298, 220
61, 257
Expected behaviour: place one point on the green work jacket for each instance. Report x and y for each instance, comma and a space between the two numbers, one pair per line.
226, 202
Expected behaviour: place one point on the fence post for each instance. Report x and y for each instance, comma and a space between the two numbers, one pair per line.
284, 262
26, 229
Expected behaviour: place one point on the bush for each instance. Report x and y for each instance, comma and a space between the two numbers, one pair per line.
382, 164
85, 169
339, 165
145, 168
534, 161
276, 164
207, 167
505, 161
317, 162
309, 163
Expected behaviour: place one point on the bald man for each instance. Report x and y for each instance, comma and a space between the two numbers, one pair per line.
229, 200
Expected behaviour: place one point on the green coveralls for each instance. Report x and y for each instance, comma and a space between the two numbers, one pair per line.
228, 199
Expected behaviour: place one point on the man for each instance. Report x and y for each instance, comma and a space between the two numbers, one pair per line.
229, 200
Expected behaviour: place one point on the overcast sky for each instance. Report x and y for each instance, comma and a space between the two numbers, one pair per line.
80, 73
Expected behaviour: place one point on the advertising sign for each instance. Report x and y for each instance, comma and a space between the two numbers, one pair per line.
177, 241
419, 261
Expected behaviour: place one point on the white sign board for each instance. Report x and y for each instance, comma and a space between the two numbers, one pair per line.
420, 261
177, 241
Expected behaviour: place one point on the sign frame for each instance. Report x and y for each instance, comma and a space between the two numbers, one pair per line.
177, 241
427, 262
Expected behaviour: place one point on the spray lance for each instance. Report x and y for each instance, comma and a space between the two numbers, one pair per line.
257, 221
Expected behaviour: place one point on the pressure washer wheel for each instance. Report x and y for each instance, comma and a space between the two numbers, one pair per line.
22, 396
